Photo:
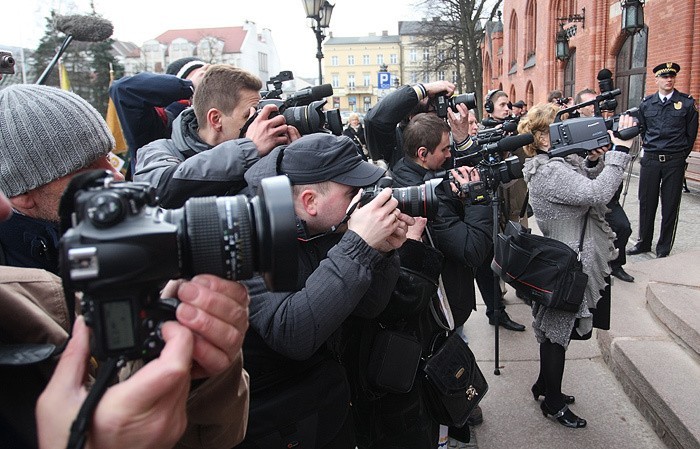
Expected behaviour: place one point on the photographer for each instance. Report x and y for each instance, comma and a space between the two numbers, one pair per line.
385, 122
206, 154
148, 103
568, 193
347, 266
617, 218
513, 194
356, 132
38, 158
462, 231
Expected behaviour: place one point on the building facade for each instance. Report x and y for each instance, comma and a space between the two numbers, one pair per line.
519, 53
241, 46
352, 66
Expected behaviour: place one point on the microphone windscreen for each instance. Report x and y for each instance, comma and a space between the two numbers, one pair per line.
322, 91
510, 126
604, 74
85, 28
514, 142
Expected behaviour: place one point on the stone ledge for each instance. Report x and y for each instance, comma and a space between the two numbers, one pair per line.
678, 308
662, 380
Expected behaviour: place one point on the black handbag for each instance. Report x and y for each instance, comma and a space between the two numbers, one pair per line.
393, 361
452, 382
542, 269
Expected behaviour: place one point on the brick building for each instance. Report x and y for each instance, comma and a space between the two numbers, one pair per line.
519, 53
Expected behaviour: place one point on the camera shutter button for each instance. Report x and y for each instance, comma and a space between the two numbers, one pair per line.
106, 210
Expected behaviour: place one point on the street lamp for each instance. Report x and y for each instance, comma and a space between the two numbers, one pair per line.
562, 44
632, 15
320, 12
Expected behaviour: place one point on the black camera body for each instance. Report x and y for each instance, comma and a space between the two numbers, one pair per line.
498, 171
563, 101
302, 109
442, 102
121, 249
577, 135
7, 63
416, 201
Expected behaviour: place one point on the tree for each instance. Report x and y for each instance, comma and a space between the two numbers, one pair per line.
455, 34
87, 64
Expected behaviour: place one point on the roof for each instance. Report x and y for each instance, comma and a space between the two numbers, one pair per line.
231, 36
126, 49
363, 40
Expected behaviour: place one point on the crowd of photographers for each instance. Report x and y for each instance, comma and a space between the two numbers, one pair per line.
380, 272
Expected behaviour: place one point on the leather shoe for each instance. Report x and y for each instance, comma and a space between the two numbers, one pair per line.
637, 249
661, 254
505, 322
622, 275
476, 417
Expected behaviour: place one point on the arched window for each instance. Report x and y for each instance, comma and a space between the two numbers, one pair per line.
530, 33
513, 42
630, 73
529, 94
511, 95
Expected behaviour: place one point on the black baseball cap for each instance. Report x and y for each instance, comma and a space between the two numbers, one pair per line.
321, 157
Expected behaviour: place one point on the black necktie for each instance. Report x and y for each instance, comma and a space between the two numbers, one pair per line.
663, 100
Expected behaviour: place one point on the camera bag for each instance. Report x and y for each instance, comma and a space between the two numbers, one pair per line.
542, 269
452, 382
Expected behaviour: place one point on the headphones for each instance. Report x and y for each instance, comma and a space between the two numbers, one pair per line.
488, 104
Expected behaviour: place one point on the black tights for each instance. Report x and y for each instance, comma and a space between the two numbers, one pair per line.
552, 358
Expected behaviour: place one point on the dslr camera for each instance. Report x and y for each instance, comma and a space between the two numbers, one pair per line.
120, 249
442, 102
7, 63
416, 201
302, 109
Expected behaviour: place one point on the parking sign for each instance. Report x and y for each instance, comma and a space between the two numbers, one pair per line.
384, 80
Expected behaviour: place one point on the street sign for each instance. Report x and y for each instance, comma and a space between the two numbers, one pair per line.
384, 80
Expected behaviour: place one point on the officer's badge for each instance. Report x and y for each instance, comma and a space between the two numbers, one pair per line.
678, 105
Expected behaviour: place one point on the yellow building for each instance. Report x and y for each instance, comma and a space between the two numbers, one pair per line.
352, 66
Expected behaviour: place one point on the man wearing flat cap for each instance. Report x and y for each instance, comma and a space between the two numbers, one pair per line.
669, 121
347, 267
519, 108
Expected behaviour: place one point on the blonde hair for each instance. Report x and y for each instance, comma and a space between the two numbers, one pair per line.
536, 121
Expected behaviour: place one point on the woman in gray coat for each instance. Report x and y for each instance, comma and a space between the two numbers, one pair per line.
565, 191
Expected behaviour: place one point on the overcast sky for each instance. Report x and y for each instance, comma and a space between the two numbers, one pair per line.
140, 20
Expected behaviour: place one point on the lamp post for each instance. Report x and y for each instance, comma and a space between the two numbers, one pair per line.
319, 11
632, 15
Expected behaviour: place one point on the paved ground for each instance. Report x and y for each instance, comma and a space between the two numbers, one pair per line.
512, 419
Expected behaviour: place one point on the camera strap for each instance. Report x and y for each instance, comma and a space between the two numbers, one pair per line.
81, 424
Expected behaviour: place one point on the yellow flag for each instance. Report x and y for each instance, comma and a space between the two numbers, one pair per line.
63, 76
112, 120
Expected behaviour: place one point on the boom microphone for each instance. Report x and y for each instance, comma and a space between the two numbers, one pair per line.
605, 82
85, 28
511, 143
306, 96
81, 28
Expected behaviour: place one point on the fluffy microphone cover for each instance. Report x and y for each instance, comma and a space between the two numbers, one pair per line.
85, 28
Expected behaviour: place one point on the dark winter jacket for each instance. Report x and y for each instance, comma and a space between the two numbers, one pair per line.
184, 166
461, 232
147, 103
384, 138
28, 242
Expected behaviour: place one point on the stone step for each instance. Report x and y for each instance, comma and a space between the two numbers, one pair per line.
663, 380
678, 307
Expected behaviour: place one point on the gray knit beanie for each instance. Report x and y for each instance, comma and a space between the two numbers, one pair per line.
46, 133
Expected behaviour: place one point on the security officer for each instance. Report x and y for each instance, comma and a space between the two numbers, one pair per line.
669, 121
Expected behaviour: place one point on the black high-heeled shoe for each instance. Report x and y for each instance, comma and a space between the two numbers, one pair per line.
537, 391
565, 416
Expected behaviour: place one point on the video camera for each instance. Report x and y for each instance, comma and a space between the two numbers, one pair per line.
416, 201
302, 109
442, 102
120, 249
7, 63
584, 134
486, 158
